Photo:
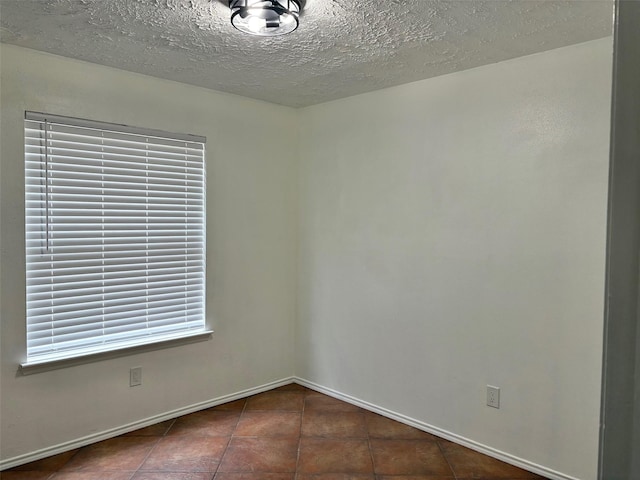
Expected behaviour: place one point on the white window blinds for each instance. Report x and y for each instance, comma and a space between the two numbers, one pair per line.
115, 236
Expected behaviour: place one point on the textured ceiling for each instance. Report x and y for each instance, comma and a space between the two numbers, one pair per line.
342, 48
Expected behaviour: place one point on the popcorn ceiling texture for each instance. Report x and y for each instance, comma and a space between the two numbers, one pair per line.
342, 47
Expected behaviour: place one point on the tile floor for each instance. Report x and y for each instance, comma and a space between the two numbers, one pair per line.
290, 433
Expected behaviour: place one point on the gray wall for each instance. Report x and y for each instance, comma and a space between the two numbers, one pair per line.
251, 273
621, 384
453, 235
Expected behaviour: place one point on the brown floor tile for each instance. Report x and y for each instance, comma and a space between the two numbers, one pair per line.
493, 477
235, 405
284, 401
268, 424
23, 475
157, 430
469, 464
186, 454
50, 464
408, 457
173, 476
116, 454
385, 428
255, 476
92, 476
413, 477
334, 424
320, 455
206, 423
337, 476
319, 402
248, 454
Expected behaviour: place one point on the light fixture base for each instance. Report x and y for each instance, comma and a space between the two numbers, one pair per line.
266, 18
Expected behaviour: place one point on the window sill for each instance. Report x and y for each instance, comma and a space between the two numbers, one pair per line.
44, 365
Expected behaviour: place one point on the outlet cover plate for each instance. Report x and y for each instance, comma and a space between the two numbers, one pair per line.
135, 376
493, 396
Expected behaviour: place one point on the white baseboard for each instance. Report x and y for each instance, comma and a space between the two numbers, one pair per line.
114, 432
478, 447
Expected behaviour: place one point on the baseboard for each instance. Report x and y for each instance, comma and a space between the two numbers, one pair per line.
478, 447
114, 432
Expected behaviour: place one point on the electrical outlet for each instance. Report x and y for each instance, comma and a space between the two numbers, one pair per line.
493, 396
135, 376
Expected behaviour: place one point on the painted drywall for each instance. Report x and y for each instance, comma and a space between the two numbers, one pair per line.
251, 232
452, 235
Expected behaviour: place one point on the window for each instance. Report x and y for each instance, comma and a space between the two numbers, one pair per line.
115, 237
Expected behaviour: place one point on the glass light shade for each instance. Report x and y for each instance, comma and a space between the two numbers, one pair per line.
266, 18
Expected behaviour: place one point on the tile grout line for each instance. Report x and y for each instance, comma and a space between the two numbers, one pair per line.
65, 463
366, 425
304, 406
149, 452
226, 448
455, 476
137, 470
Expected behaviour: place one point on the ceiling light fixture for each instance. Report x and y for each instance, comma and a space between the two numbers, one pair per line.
266, 18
